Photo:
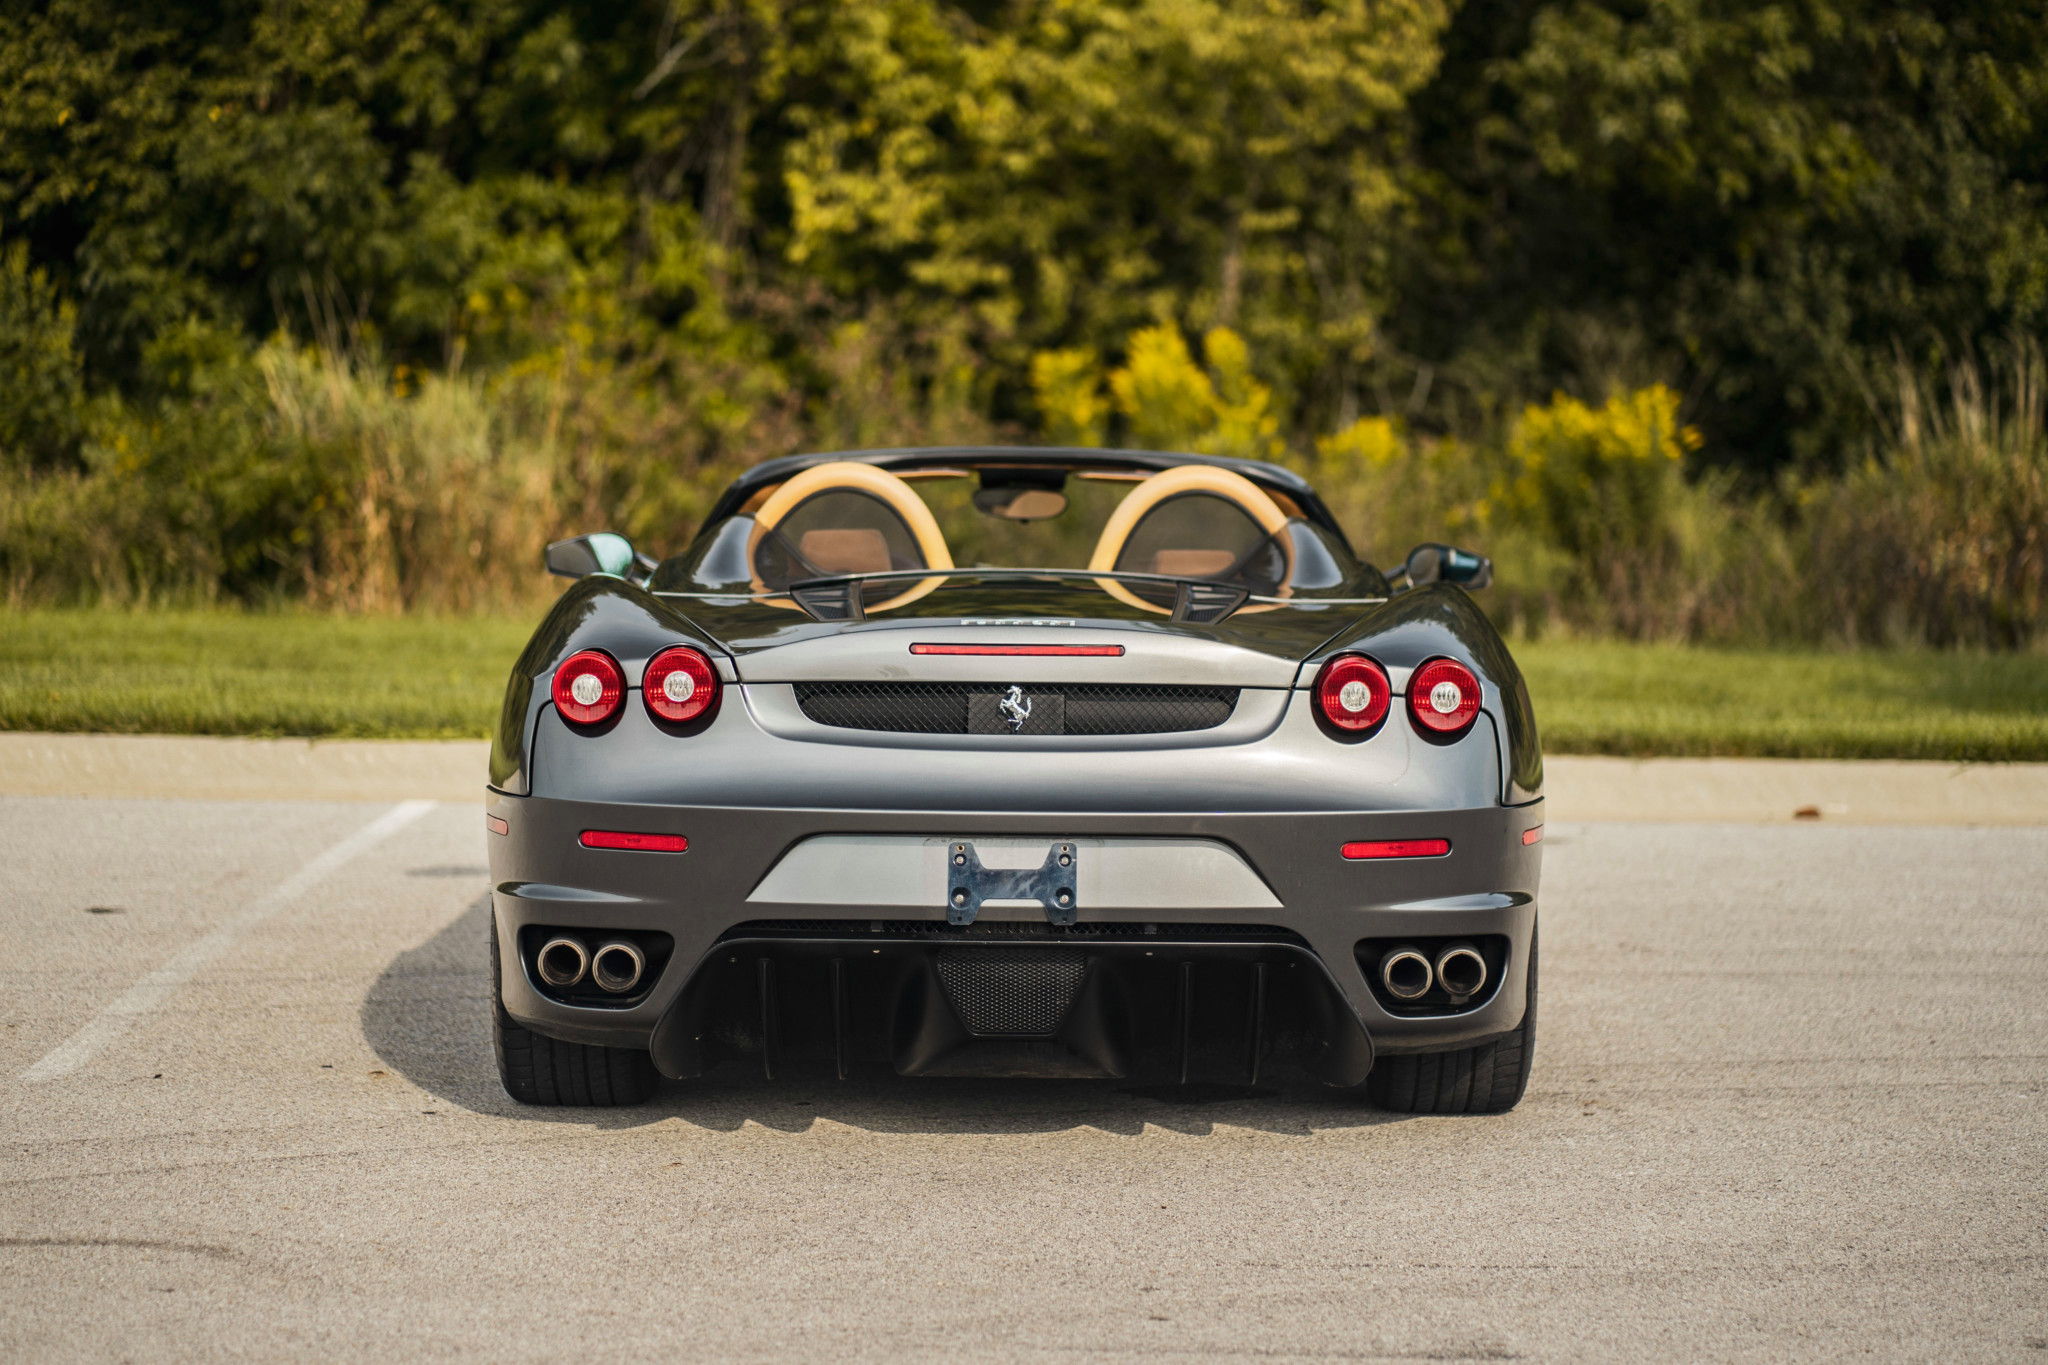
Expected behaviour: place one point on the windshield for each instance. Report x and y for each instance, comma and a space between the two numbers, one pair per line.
840, 519
978, 539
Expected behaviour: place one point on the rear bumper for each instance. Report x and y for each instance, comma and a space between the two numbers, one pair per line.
1323, 908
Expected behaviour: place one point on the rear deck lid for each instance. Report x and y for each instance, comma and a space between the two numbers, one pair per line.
1014, 627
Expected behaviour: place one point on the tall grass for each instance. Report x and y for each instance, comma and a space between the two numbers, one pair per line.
1937, 537
442, 488
1943, 536
1592, 521
319, 474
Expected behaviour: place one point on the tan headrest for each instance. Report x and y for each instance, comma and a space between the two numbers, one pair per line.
853, 550
876, 483
1192, 563
1187, 478
1146, 497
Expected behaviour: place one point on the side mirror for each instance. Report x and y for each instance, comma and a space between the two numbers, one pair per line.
601, 552
1444, 564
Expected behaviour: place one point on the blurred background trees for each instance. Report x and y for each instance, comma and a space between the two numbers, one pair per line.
356, 300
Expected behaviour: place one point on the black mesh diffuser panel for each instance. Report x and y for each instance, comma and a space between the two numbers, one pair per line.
1014, 991
1056, 708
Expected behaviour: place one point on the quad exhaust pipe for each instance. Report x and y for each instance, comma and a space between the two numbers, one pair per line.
563, 961
616, 967
1408, 973
1461, 971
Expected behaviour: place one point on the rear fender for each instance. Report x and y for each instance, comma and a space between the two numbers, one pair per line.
625, 621
1442, 620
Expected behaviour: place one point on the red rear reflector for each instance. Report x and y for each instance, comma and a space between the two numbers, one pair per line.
1035, 651
1534, 834
636, 843
496, 826
1398, 848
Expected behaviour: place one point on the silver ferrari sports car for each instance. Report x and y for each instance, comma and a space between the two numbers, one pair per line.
1019, 763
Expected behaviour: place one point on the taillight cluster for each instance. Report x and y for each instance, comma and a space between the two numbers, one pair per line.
679, 686
1354, 695
589, 687
1443, 698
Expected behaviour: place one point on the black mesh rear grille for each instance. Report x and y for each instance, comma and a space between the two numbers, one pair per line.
1014, 991
1056, 708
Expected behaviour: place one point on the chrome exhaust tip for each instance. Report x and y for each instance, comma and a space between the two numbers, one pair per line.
617, 966
1406, 973
563, 961
1461, 971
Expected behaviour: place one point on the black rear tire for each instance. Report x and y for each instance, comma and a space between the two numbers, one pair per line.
538, 1070
1487, 1079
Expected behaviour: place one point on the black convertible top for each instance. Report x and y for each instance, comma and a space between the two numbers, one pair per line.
1269, 476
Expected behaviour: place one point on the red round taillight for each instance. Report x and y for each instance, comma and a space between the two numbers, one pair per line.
1443, 698
589, 687
680, 684
1352, 692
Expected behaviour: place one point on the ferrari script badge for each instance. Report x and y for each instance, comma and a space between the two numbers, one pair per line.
1016, 708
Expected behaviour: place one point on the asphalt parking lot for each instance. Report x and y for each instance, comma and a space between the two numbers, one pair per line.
1788, 1103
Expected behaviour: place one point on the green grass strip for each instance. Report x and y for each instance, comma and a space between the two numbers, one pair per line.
235, 673
296, 673
1655, 700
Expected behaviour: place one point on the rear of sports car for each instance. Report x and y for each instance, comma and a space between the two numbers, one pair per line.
987, 838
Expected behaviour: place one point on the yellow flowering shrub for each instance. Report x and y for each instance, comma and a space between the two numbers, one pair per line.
1601, 478
1067, 385
1168, 400
1368, 443
1242, 421
1165, 398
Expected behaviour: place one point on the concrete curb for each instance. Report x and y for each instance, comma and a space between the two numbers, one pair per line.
1776, 790
209, 768
1744, 790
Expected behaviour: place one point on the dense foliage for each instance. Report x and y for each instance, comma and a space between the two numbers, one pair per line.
1763, 203
286, 289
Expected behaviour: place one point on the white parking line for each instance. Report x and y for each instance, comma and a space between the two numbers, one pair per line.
120, 1015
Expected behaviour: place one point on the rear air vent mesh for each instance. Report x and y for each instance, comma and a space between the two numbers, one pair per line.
1013, 991
1054, 708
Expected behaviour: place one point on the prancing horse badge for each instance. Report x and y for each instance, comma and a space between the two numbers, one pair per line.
1016, 708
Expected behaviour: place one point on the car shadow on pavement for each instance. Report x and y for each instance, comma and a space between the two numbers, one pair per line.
427, 1017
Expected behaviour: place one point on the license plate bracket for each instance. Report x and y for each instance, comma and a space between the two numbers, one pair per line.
1053, 884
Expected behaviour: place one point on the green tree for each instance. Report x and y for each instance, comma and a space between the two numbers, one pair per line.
41, 402
1765, 199
1065, 173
